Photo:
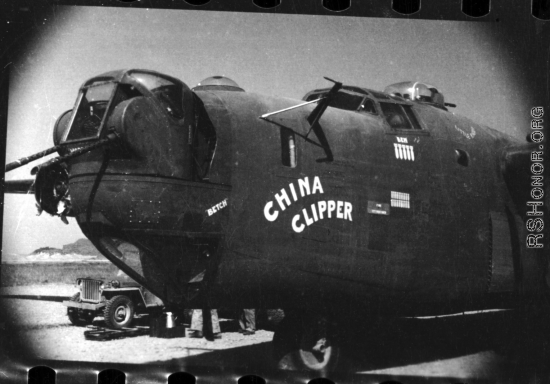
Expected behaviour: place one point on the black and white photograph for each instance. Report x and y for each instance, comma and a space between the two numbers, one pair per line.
280, 194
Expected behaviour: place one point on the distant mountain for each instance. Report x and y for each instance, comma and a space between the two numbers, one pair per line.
47, 250
82, 247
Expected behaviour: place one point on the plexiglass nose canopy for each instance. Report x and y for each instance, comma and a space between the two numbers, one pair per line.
100, 95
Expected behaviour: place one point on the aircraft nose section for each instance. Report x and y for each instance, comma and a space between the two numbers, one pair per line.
154, 117
155, 175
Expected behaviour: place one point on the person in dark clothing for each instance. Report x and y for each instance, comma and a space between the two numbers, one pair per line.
196, 330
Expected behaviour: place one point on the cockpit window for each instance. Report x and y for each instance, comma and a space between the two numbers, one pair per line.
400, 116
342, 100
368, 106
92, 105
167, 92
346, 101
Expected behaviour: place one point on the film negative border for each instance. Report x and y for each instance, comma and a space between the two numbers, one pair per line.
459, 10
23, 13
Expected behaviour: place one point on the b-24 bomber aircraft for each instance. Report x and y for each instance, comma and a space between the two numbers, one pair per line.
350, 201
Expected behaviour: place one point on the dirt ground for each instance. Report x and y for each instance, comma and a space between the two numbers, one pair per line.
45, 327
460, 348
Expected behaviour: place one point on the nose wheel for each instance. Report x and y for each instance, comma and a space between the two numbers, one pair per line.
306, 343
314, 354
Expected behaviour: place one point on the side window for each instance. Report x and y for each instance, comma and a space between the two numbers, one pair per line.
288, 148
346, 101
399, 116
341, 100
125, 92
203, 141
170, 97
204, 145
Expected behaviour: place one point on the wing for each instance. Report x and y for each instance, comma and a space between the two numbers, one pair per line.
58, 299
19, 186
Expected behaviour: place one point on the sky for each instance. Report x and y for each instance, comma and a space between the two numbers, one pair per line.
278, 55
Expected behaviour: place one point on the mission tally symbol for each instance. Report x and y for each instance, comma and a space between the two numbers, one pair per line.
404, 152
400, 200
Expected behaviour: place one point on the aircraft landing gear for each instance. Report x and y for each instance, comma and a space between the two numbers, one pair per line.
306, 343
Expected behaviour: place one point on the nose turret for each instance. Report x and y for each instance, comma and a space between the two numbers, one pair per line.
152, 115
162, 146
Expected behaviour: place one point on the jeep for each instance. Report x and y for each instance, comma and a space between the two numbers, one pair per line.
117, 300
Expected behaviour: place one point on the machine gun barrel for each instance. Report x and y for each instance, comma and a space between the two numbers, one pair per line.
75, 153
25, 160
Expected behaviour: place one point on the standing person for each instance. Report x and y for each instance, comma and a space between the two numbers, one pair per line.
247, 322
196, 330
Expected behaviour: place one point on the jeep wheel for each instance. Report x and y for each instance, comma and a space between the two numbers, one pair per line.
119, 312
75, 318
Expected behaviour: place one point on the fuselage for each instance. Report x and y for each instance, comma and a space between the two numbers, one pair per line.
229, 209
